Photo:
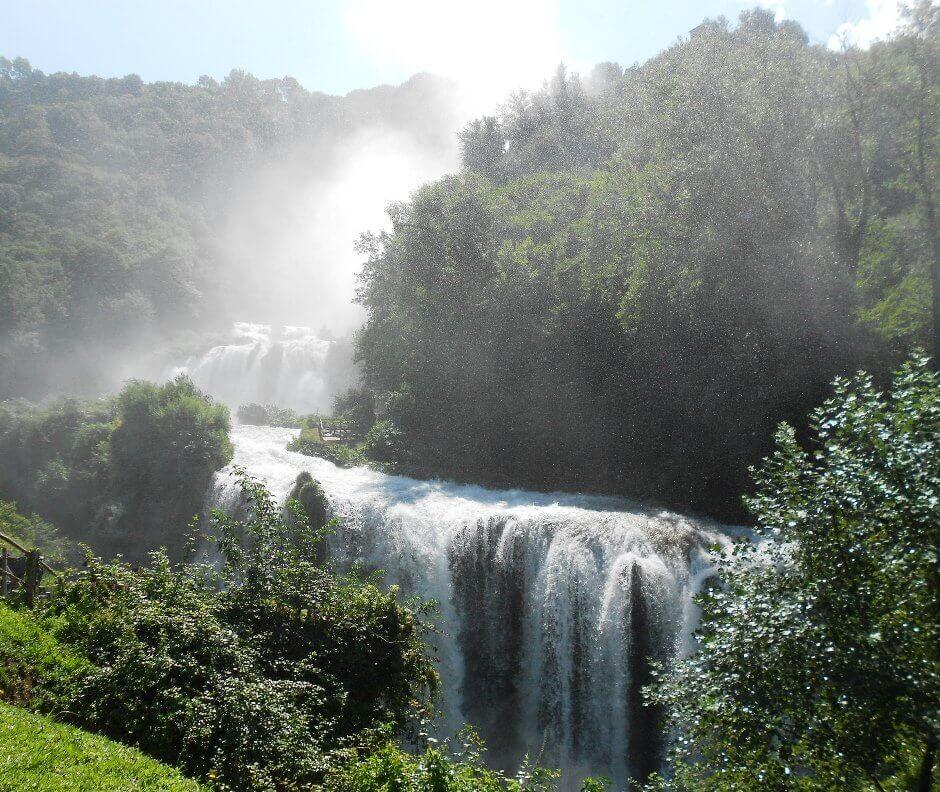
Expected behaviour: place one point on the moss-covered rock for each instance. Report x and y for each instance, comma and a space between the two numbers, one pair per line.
308, 492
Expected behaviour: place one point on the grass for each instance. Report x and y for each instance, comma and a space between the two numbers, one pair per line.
37, 753
35, 669
308, 442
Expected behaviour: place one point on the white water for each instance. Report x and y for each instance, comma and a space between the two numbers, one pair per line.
549, 602
265, 364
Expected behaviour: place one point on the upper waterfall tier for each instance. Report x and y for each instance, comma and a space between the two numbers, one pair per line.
551, 605
265, 364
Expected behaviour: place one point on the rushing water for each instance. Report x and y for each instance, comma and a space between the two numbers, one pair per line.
550, 603
265, 364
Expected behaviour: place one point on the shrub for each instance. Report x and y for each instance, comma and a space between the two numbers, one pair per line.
125, 475
357, 406
384, 442
267, 415
438, 769
308, 442
310, 495
252, 674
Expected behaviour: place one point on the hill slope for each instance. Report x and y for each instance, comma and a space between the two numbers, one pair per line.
38, 753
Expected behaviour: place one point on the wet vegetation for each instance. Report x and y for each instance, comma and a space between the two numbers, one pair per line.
124, 475
635, 277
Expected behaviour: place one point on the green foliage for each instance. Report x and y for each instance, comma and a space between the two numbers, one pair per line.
384, 442
32, 532
116, 207
45, 756
629, 286
817, 666
311, 497
125, 475
36, 670
356, 406
251, 675
267, 415
308, 442
440, 770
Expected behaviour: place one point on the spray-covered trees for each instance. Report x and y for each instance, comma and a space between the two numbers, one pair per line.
818, 664
125, 475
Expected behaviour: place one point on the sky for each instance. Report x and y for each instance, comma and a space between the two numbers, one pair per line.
335, 47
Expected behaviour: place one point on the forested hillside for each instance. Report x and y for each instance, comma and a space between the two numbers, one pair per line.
636, 276
115, 195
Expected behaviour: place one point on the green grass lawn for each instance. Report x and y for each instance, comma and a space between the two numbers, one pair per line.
37, 753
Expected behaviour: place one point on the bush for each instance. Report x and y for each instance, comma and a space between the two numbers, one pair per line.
384, 442
440, 770
357, 407
308, 442
267, 415
310, 495
252, 674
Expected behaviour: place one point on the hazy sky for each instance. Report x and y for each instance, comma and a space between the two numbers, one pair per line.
338, 46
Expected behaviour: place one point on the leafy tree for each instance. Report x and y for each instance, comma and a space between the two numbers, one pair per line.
125, 475
818, 666
31, 531
628, 287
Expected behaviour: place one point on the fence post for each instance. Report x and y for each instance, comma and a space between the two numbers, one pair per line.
3, 573
31, 577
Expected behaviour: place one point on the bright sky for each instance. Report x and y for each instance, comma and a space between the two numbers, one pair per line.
338, 46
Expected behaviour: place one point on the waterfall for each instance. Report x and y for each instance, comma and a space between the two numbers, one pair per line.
550, 603
264, 364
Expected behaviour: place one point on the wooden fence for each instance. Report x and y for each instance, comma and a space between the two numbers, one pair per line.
29, 567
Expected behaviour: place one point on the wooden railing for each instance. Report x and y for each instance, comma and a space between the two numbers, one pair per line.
26, 583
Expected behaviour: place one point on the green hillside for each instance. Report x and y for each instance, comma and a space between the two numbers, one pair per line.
37, 753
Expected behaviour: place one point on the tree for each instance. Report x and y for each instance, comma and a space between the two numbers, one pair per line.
817, 666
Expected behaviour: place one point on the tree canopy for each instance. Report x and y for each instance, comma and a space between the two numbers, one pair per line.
635, 277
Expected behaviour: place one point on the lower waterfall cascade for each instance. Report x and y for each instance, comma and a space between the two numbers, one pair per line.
550, 604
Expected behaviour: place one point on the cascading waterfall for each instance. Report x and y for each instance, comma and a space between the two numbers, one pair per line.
550, 603
265, 364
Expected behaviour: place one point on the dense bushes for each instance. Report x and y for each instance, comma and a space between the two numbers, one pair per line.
438, 770
384, 442
818, 664
628, 288
267, 415
310, 443
258, 675
125, 475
